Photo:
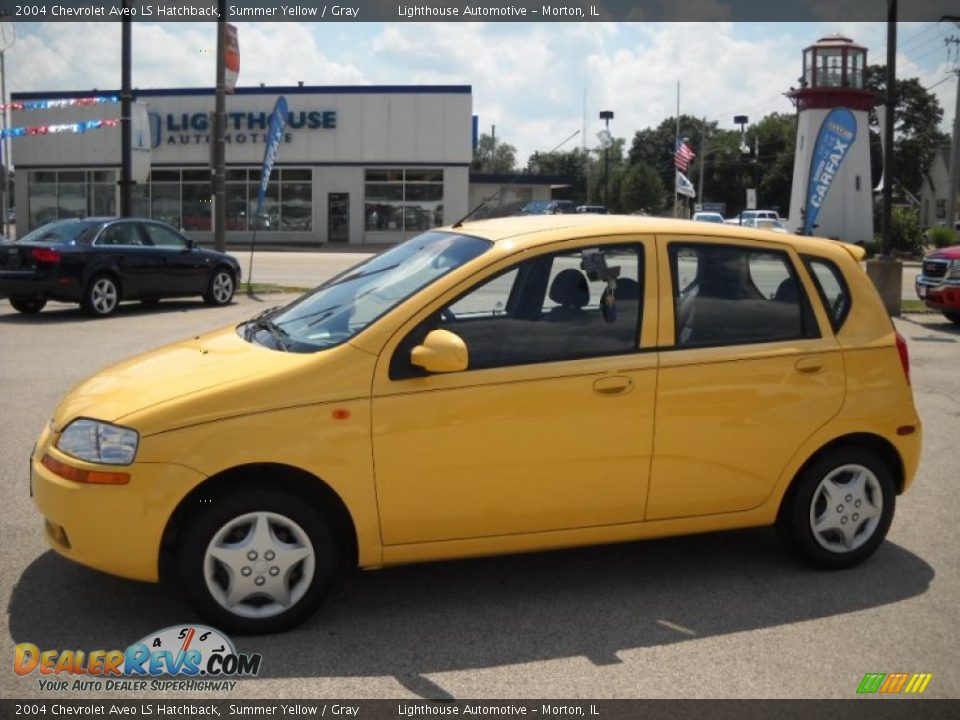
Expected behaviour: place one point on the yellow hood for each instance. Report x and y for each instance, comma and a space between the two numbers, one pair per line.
186, 368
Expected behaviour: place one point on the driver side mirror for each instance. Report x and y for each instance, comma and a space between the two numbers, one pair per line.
441, 352
191, 244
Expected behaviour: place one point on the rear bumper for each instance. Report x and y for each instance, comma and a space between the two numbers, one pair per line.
38, 282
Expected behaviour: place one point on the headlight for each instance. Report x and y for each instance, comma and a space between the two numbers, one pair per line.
99, 442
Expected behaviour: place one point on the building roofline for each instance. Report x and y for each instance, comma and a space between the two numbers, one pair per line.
267, 90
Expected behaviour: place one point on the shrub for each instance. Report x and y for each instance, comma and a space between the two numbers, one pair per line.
942, 236
906, 236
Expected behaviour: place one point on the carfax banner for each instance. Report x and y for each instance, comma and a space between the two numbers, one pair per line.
837, 134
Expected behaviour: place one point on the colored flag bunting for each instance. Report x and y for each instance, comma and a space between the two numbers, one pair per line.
77, 127
683, 156
54, 104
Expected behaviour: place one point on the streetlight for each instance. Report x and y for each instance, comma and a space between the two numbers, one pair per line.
606, 116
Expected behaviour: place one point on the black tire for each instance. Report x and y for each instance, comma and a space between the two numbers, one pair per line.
953, 316
28, 304
226, 515
798, 512
101, 297
220, 287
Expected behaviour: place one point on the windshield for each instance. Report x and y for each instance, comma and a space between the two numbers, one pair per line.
346, 304
62, 232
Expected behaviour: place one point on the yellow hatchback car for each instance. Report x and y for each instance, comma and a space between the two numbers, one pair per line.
494, 387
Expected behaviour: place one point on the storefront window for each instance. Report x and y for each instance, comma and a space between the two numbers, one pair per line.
236, 205
42, 195
196, 206
165, 202
405, 200
296, 208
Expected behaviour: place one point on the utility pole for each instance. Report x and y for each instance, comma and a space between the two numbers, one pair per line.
703, 160
955, 149
885, 271
886, 224
8, 36
126, 131
219, 214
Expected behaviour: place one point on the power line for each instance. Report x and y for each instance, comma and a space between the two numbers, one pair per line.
908, 41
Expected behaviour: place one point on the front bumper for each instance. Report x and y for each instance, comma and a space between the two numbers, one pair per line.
116, 529
942, 293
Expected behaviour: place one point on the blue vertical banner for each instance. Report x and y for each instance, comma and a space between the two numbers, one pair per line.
278, 121
836, 136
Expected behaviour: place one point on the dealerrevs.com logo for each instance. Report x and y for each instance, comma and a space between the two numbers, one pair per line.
203, 658
894, 683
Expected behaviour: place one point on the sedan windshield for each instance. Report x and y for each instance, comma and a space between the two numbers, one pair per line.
346, 304
62, 232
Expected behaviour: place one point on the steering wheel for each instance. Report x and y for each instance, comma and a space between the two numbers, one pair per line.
447, 315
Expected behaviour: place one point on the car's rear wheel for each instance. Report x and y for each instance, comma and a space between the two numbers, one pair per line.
952, 315
28, 304
102, 296
839, 509
220, 288
258, 561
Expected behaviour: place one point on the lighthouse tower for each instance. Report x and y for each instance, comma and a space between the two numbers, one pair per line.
831, 194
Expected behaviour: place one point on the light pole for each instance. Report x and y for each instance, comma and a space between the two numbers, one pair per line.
606, 116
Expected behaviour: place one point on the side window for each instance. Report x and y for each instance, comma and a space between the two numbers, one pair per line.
123, 233
565, 306
729, 295
831, 287
163, 237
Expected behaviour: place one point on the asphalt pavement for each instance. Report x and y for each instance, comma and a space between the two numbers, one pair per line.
719, 615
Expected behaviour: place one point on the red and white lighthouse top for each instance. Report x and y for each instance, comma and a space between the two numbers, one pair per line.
833, 76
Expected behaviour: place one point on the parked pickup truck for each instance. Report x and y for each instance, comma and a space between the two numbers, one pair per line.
938, 283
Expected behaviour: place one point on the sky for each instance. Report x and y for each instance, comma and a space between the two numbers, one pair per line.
533, 81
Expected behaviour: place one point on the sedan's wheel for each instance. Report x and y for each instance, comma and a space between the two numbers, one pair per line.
101, 296
220, 288
28, 304
952, 315
840, 508
257, 562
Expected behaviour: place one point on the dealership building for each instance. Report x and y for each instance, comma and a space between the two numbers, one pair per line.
361, 165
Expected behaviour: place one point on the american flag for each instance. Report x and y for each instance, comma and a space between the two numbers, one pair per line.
683, 156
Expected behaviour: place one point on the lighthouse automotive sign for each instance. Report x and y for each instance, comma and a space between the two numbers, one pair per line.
836, 136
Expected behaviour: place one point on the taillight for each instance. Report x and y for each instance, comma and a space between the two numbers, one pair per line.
45, 255
904, 356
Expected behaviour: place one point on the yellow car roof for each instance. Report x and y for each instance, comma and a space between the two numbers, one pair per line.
534, 230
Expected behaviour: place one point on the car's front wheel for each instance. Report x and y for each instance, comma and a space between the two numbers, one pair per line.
952, 315
840, 508
257, 562
220, 288
101, 297
28, 304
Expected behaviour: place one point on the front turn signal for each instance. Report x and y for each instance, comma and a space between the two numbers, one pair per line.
75, 474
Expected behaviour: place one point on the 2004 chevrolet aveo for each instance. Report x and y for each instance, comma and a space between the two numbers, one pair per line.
494, 387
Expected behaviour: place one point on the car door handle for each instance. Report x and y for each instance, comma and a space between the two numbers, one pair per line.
809, 365
616, 385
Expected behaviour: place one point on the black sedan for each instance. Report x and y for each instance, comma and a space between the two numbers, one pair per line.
98, 262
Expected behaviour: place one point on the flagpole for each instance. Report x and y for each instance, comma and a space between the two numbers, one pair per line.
676, 141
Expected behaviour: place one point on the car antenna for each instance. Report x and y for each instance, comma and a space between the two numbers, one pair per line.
516, 177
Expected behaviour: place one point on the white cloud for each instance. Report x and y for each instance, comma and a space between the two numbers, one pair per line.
528, 78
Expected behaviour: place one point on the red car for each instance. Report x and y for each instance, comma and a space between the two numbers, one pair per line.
938, 283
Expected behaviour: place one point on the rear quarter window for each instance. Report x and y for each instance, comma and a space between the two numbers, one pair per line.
831, 287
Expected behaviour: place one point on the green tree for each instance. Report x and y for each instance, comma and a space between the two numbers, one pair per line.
494, 157
917, 117
571, 164
641, 188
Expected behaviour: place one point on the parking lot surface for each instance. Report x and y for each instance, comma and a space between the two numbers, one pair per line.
722, 615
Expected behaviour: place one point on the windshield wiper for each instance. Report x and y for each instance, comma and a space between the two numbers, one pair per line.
276, 332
